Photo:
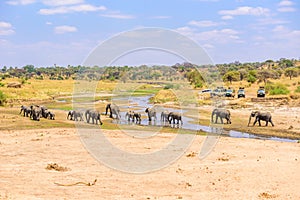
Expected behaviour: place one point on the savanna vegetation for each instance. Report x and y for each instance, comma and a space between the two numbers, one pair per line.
60, 80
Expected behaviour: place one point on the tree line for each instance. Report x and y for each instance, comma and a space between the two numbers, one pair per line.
196, 75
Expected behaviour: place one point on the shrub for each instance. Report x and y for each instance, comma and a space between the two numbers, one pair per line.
298, 89
2, 98
1, 84
171, 86
278, 88
251, 79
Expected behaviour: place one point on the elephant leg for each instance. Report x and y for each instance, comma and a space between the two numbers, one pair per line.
259, 122
255, 122
228, 121
221, 120
271, 122
267, 122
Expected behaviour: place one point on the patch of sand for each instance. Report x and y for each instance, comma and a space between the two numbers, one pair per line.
235, 169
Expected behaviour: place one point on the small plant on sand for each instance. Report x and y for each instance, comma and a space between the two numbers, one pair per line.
298, 89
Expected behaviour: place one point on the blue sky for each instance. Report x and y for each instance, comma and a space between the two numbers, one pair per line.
62, 32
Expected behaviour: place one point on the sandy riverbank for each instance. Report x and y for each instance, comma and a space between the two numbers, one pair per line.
235, 169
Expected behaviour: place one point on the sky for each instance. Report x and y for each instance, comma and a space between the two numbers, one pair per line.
65, 32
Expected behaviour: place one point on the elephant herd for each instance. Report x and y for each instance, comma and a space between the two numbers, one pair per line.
93, 116
221, 114
35, 112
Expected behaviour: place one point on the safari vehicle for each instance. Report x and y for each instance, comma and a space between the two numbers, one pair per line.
241, 93
261, 92
219, 91
230, 92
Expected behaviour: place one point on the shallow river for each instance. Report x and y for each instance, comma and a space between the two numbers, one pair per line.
139, 104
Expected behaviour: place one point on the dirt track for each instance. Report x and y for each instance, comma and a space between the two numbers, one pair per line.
236, 169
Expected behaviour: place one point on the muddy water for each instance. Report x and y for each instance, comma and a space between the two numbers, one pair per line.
139, 104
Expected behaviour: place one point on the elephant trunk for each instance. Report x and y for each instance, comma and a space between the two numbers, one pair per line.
212, 117
249, 120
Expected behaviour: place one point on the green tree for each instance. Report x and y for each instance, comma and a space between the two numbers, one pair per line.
231, 76
29, 68
291, 72
265, 74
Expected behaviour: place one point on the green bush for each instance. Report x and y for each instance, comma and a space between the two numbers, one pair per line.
1, 84
298, 89
171, 86
2, 98
251, 78
275, 89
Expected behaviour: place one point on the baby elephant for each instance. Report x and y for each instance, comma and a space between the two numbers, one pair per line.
220, 113
264, 116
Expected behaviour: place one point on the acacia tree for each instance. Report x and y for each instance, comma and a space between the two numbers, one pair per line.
291, 72
265, 74
231, 76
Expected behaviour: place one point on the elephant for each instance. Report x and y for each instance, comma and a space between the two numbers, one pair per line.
50, 115
26, 111
151, 113
95, 115
113, 109
74, 115
129, 115
36, 112
164, 116
172, 116
135, 117
221, 113
70, 114
264, 116
44, 111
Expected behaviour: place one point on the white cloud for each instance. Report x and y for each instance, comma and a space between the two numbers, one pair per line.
118, 16
286, 6
286, 3
279, 29
268, 21
245, 10
48, 23
61, 2
20, 2
286, 9
226, 17
214, 36
204, 23
6, 28
71, 9
64, 29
